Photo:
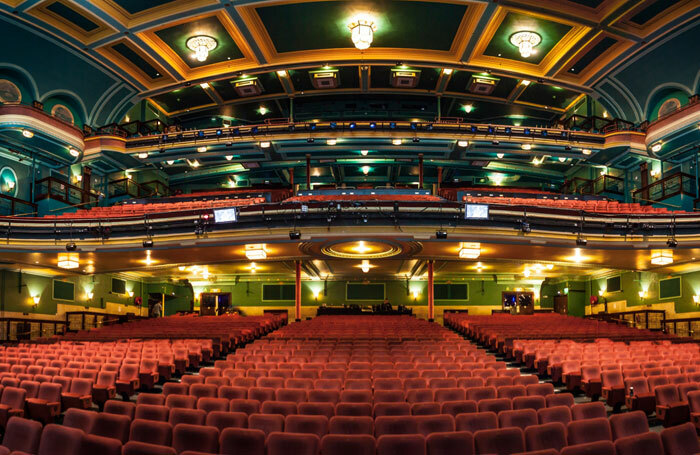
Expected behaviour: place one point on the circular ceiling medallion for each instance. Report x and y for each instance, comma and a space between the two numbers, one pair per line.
362, 249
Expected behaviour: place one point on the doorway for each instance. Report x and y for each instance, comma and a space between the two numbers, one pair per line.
214, 303
561, 304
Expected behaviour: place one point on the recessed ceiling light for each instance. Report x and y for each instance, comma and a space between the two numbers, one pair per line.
526, 146
332, 141
264, 144
500, 155
397, 141
28, 134
74, 152
586, 151
229, 157
202, 149
170, 162
656, 147
143, 155
364, 152
463, 143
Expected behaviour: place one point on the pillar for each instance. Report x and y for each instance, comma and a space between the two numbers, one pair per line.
291, 178
308, 172
431, 294
439, 179
297, 292
420, 170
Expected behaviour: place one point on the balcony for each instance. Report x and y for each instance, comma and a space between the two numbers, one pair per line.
667, 187
59, 190
11, 206
127, 187
602, 185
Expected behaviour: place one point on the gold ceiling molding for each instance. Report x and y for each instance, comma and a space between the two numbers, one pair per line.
134, 71
604, 59
361, 249
41, 12
256, 27
660, 20
605, 9
152, 14
208, 71
554, 56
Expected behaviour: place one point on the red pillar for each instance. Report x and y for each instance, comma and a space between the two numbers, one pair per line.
297, 292
420, 170
431, 296
291, 177
439, 179
308, 172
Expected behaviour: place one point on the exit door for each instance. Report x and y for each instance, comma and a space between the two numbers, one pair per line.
561, 304
214, 304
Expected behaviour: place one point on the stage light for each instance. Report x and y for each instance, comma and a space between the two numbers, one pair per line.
441, 234
490, 130
392, 125
219, 132
294, 235
672, 242
416, 140
310, 140
372, 125
352, 125
71, 246
580, 241
526, 131
525, 227
148, 243
333, 125
414, 126
508, 130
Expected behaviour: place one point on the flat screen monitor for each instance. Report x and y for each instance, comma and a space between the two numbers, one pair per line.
225, 216
476, 212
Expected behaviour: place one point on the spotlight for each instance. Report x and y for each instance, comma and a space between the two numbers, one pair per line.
310, 140
254, 130
567, 148
508, 130
392, 125
148, 243
525, 227
200, 133
71, 246
564, 134
544, 133
294, 235
416, 140
495, 142
580, 241
429, 127
414, 126
491, 130
441, 234
352, 125
526, 131
312, 126
372, 125
672, 242
291, 128
219, 132
473, 129
333, 125
236, 132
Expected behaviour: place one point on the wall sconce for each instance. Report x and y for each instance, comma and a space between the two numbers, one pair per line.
131, 293
415, 293
601, 292
89, 295
316, 293
642, 294
696, 299
36, 299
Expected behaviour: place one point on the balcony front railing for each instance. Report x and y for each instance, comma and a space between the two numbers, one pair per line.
604, 184
59, 190
667, 187
12, 206
127, 187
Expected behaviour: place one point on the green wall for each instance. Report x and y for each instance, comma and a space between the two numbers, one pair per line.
249, 293
178, 296
17, 291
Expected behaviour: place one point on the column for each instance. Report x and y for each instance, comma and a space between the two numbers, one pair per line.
420, 170
308, 172
297, 292
431, 296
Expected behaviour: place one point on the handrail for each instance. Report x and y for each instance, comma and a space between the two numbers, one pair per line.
693, 100
649, 189
14, 200
66, 190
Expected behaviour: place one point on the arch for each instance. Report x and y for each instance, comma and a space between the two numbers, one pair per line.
696, 84
70, 100
662, 93
22, 79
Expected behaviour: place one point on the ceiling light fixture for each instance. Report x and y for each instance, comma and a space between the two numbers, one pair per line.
468, 108
662, 257
28, 134
447, 71
204, 85
201, 45
396, 141
282, 73
68, 260
500, 155
264, 145
656, 147
526, 147
365, 266
143, 155
228, 157
332, 141
586, 151
194, 163
74, 152
262, 110
525, 82
365, 169
170, 162
469, 250
463, 143
364, 152
255, 252
362, 29
525, 41
202, 149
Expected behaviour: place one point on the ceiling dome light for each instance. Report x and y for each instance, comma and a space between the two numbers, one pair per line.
201, 46
500, 155
396, 141
365, 169
68, 260
525, 41
586, 151
656, 147
463, 143
74, 152
364, 152
469, 250
143, 155
28, 134
362, 30
202, 149
229, 157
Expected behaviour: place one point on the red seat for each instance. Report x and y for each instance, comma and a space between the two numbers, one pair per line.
642, 444
187, 416
476, 421
450, 443
47, 404
591, 410
357, 444
410, 444
111, 426
151, 432
152, 412
521, 418
628, 424
197, 438
268, 423
126, 408
670, 409
317, 425
60, 440
546, 436
592, 448
11, 404
590, 430
351, 425
242, 441
501, 441
22, 435
680, 440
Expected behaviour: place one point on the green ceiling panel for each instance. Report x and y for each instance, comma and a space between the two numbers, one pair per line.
301, 80
652, 11
176, 37
400, 24
72, 16
595, 52
183, 98
136, 6
550, 32
548, 95
129, 54
588, 3
488, 112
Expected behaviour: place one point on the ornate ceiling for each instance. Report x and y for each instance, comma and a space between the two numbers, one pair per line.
282, 42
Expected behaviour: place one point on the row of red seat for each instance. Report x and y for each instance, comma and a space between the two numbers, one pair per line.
349, 195
592, 206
